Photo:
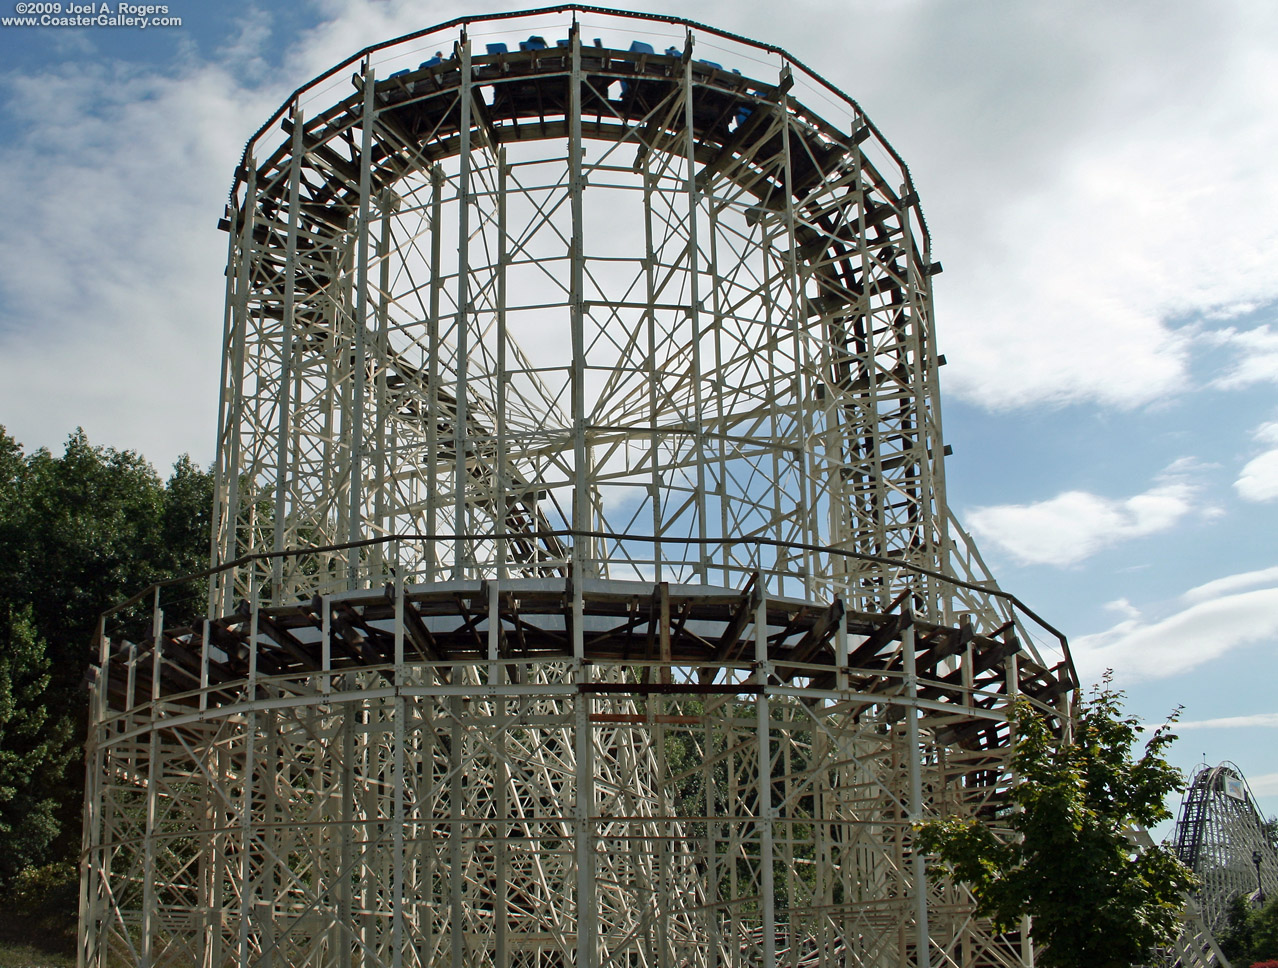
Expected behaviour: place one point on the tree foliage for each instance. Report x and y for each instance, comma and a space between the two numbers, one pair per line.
1252, 933
78, 532
35, 747
1065, 857
84, 530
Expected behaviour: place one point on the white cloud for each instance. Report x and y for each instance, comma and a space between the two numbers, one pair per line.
111, 265
1123, 607
1265, 785
1074, 234
1077, 209
1256, 356
1266, 720
1231, 584
1258, 480
1074, 525
1203, 630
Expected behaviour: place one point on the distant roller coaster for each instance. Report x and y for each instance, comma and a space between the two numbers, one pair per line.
1221, 835
598, 383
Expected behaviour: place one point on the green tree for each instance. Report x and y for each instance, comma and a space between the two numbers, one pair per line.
86, 529
1065, 857
79, 532
1251, 934
35, 747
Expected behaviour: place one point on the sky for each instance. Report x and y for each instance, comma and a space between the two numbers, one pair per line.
1100, 184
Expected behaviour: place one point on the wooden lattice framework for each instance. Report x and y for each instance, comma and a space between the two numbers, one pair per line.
1221, 836
607, 290
600, 382
538, 772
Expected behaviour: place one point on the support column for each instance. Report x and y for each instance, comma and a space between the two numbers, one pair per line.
767, 815
92, 876
460, 435
581, 495
713, 833
456, 793
923, 955
222, 590
433, 381
397, 784
248, 877
927, 442
1012, 686
694, 306
95, 871
653, 371
153, 786
501, 472
657, 716
359, 335
583, 786
795, 320
287, 326
348, 714
501, 779
216, 864
272, 837
383, 468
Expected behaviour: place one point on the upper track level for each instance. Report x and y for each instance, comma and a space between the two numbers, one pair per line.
576, 292
629, 48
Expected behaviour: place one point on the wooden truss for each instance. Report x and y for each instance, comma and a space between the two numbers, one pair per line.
576, 287
1221, 836
533, 773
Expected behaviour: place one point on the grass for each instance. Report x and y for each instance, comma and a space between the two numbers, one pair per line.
24, 956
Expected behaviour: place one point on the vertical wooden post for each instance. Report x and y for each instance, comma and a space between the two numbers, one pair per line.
913, 754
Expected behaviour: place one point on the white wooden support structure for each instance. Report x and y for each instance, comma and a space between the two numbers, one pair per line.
584, 588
